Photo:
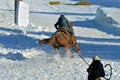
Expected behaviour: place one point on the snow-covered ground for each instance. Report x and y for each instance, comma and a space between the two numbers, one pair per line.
97, 29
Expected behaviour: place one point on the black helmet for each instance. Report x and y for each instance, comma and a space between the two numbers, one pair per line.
61, 15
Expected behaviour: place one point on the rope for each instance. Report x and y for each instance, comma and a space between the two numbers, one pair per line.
83, 59
110, 71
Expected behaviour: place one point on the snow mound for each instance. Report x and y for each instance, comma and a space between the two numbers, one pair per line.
108, 17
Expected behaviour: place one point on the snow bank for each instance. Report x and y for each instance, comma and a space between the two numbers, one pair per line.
108, 17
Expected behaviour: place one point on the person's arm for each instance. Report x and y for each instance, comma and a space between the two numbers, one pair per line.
56, 25
89, 70
102, 71
68, 23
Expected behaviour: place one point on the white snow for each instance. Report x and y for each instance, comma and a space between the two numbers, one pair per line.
21, 58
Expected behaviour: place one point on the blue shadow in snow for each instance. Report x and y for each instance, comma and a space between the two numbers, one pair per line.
109, 40
92, 24
106, 3
110, 52
9, 10
12, 56
75, 0
65, 13
107, 52
40, 33
11, 30
18, 41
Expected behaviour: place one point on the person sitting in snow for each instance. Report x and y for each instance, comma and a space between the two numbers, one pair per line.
96, 70
64, 23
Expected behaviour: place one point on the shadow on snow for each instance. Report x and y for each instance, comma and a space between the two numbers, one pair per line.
65, 13
106, 51
17, 41
12, 56
92, 24
40, 33
10, 30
